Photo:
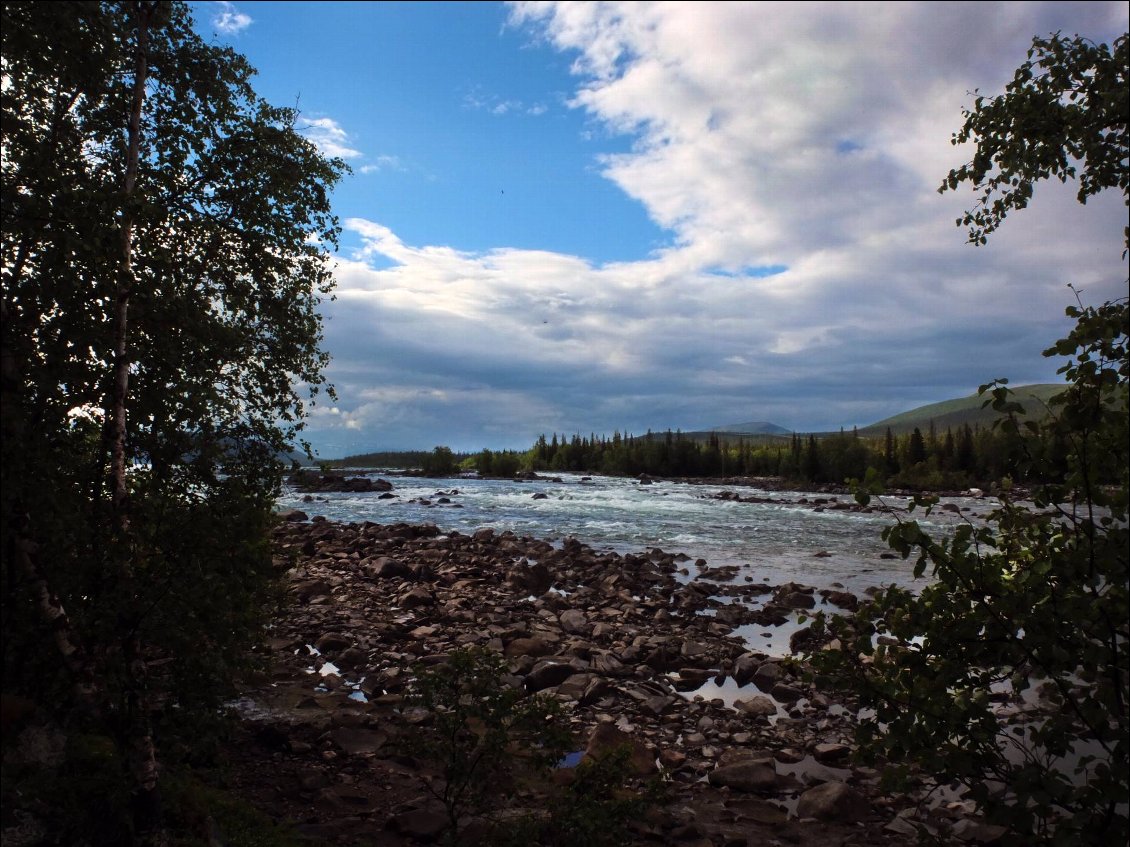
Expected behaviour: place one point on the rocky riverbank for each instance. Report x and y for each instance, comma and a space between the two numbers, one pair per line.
639, 648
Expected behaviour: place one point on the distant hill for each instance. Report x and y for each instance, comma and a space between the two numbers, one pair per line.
964, 410
754, 428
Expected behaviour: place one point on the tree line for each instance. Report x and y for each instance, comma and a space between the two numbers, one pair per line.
961, 457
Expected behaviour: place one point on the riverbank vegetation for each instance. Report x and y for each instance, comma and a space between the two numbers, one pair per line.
952, 459
1029, 607
165, 237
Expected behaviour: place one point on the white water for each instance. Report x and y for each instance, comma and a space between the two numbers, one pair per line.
774, 542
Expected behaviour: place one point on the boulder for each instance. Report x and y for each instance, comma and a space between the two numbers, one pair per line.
607, 737
527, 647
745, 666
786, 693
387, 567
415, 598
574, 622
795, 600
331, 642
833, 801
311, 588
756, 705
533, 579
843, 599
548, 674
829, 754
767, 675
754, 776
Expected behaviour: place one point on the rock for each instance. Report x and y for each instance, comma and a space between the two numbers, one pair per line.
527, 647
756, 705
574, 622
338, 798
829, 754
978, 832
292, 515
657, 705
358, 741
833, 801
694, 649
548, 674
534, 579
745, 666
387, 567
311, 588
690, 678
761, 811
606, 738
423, 824
352, 658
767, 675
843, 599
415, 598
608, 665
786, 693
806, 640
796, 600
756, 776
331, 642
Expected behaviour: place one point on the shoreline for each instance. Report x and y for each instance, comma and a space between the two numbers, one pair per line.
617, 638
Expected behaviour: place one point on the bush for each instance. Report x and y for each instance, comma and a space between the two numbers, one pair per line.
1033, 601
483, 734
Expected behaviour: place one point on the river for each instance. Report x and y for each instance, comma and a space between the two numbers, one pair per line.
777, 541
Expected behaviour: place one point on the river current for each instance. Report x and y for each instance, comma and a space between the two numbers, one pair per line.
777, 541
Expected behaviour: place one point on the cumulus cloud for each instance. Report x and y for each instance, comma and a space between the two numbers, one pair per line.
229, 20
814, 276
329, 137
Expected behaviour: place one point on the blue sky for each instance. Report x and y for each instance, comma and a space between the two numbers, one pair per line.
598, 216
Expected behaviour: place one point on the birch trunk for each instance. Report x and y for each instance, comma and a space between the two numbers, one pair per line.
141, 751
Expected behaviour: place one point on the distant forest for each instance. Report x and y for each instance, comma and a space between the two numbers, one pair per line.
951, 459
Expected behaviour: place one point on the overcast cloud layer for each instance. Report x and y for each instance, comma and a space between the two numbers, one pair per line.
813, 275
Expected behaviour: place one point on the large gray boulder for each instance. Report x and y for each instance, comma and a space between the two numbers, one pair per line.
833, 801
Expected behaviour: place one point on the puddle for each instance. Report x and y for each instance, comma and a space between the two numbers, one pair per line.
729, 692
772, 640
571, 760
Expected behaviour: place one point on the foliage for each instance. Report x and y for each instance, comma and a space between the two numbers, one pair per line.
1064, 114
440, 462
592, 811
951, 460
483, 733
1033, 603
130, 616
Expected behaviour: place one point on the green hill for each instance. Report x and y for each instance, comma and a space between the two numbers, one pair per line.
753, 428
964, 410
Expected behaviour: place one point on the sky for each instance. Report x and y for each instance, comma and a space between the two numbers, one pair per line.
599, 217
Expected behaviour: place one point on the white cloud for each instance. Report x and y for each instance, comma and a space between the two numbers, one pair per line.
329, 137
806, 137
482, 101
382, 163
229, 20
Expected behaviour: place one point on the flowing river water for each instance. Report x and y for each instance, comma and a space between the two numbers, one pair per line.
791, 536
